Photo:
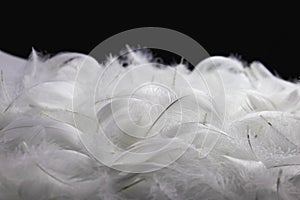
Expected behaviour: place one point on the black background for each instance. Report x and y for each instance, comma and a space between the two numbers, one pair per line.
254, 34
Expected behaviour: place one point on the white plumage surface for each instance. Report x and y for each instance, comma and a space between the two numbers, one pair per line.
222, 131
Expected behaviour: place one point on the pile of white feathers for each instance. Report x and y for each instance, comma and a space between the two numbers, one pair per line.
243, 120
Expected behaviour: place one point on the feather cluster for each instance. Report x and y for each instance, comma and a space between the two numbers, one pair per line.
221, 131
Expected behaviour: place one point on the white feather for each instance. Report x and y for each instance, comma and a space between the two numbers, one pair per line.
222, 131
